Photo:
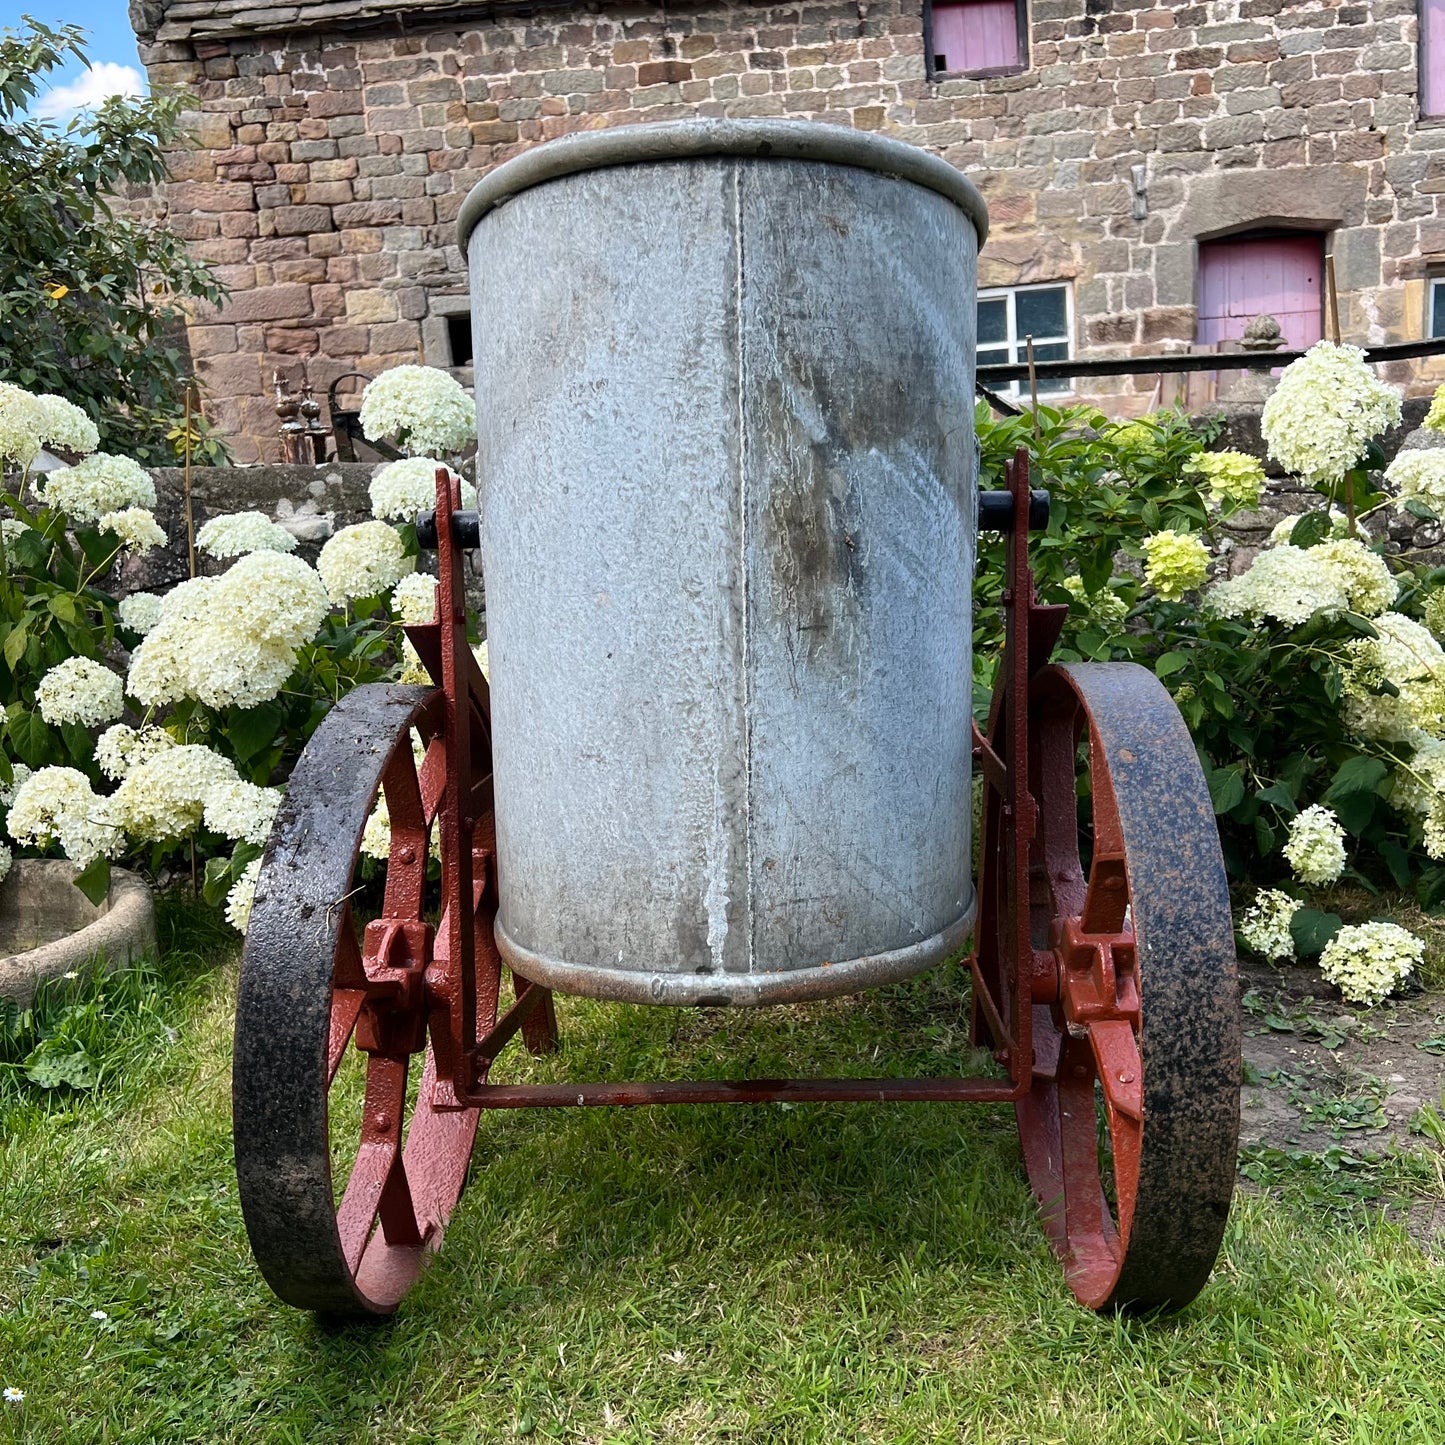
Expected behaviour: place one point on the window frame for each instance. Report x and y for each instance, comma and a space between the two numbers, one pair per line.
1018, 353
1021, 17
1433, 280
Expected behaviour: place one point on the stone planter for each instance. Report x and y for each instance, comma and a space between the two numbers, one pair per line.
49, 928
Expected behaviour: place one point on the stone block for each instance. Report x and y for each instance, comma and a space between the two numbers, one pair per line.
302, 220
370, 306
269, 303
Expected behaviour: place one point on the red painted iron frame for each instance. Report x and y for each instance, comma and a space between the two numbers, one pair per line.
461, 969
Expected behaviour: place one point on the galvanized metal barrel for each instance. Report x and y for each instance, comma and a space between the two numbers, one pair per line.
724, 377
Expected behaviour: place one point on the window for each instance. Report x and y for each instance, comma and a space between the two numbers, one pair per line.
459, 339
1432, 57
977, 37
1006, 315
1262, 275
1437, 306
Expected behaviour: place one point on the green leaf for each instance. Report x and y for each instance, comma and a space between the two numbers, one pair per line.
1281, 795
1356, 775
30, 736
1313, 930
254, 729
1397, 860
49, 1068
1310, 530
1417, 509
1169, 662
217, 881
15, 644
1226, 789
94, 880
1360, 626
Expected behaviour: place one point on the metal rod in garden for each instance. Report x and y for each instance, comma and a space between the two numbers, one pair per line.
1033, 383
190, 517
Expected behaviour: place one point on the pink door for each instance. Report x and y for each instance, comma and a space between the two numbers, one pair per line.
975, 35
1278, 276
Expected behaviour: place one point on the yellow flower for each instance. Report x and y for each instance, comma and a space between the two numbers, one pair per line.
1174, 563
56, 293
1435, 418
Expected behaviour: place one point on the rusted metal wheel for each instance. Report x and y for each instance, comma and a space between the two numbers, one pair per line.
313, 980
1130, 1127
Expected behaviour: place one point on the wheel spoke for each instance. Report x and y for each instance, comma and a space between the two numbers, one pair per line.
377, 1160
345, 1006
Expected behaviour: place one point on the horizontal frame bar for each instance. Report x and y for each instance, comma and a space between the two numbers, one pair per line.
745, 1091
1190, 361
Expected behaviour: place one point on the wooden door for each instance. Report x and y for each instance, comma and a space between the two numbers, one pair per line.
1243, 277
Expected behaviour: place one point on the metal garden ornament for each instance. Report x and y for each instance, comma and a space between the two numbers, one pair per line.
727, 513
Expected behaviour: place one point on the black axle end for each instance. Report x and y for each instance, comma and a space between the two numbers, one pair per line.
466, 530
996, 511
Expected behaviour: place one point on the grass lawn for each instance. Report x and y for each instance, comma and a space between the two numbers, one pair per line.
810, 1273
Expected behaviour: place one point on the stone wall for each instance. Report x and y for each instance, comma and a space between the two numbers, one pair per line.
333, 155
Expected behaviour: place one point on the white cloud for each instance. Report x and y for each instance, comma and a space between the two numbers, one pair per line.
89, 89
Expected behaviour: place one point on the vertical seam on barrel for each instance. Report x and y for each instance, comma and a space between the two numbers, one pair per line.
745, 651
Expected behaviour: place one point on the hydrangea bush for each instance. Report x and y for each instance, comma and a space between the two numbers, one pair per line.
1313, 680
166, 725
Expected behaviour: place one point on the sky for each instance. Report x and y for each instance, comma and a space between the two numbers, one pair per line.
115, 64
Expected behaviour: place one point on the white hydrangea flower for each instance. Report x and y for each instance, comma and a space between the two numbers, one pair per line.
1406, 655
1289, 584
1419, 476
413, 669
363, 561
1370, 586
425, 409
1265, 926
165, 796
80, 690
230, 641
1315, 847
484, 660
238, 533
242, 897
1339, 527
1433, 612
6, 859
376, 836
101, 483
1368, 961
402, 489
67, 427
1327, 407
140, 612
18, 773
1419, 789
1106, 607
274, 597
137, 529
415, 599
120, 748
241, 811
58, 804
23, 420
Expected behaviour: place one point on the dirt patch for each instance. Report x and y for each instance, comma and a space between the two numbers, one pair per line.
1346, 1087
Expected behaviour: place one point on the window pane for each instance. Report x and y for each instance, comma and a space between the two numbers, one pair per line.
1437, 308
1041, 313
993, 356
993, 320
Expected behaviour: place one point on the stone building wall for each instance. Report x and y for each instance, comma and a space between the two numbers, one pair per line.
336, 141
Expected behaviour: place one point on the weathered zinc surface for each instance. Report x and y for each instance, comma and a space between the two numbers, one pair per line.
728, 535
337, 140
